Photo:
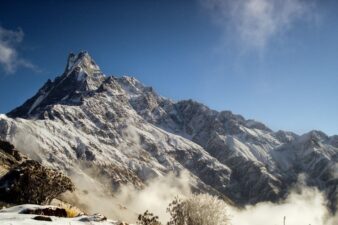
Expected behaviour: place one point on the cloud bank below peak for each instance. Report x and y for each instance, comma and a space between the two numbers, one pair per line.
10, 60
256, 22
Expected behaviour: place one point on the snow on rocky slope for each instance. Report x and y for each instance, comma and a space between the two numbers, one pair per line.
22, 215
128, 133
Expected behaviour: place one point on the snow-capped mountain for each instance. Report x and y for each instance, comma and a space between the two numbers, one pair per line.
128, 133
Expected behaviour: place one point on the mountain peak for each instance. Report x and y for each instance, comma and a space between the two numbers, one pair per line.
314, 135
83, 69
81, 76
81, 60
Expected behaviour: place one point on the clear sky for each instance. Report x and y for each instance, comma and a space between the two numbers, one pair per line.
275, 61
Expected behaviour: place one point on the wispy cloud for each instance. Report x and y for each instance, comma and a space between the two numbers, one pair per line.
256, 22
10, 59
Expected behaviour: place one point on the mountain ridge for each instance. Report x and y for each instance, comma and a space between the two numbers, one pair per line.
123, 127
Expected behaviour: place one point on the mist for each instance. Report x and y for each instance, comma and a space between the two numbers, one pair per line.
128, 202
302, 206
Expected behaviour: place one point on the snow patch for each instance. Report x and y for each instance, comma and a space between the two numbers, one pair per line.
37, 102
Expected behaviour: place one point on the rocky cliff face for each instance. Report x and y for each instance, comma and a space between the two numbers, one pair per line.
128, 133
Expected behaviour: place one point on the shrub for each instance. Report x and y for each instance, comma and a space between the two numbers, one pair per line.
200, 209
147, 218
32, 183
72, 212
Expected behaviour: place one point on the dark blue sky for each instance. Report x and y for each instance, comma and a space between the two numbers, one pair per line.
268, 61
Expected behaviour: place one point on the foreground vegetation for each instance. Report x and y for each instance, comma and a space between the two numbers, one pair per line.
202, 209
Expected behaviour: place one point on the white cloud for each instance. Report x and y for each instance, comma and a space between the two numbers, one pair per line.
256, 22
305, 206
9, 56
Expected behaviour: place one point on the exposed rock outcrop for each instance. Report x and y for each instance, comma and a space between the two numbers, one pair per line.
26, 181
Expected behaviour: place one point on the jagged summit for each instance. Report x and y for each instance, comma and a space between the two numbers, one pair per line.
82, 60
81, 76
82, 67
